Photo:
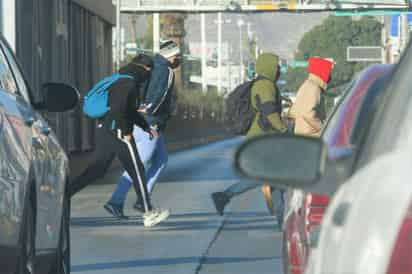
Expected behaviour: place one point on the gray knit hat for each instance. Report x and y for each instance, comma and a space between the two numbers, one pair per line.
168, 48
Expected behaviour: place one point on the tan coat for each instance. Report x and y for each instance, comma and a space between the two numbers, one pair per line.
303, 111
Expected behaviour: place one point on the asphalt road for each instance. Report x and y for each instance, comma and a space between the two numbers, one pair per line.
194, 239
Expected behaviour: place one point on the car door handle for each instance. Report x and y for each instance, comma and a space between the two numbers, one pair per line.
37, 144
45, 130
29, 121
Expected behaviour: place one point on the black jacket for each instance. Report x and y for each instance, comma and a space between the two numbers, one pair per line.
123, 101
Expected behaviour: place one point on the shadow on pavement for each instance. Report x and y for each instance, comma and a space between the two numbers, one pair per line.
165, 262
235, 221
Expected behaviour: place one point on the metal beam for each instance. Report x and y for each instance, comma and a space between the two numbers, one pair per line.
102, 8
8, 17
291, 5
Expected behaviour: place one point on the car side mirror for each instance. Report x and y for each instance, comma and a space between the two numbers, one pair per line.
59, 97
282, 160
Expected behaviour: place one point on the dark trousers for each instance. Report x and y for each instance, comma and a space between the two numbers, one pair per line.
109, 145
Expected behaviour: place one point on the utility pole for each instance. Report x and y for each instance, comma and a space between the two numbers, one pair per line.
156, 33
219, 53
383, 40
122, 43
256, 48
404, 34
240, 24
203, 45
118, 35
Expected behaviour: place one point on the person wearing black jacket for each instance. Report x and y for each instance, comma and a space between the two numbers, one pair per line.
115, 138
158, 105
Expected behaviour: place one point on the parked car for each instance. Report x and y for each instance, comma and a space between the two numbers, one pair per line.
367, 227
345, 128
34, 207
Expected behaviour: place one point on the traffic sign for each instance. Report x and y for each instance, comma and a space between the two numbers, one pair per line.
364, 54
299, 64
395, 23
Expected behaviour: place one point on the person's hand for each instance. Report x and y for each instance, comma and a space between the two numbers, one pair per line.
154, 133
143, 108
128, 137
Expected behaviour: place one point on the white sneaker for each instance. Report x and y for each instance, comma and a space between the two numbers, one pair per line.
155, 216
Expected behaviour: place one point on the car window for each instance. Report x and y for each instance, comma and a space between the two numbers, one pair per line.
7, 81
329, 130
371, 100
388, 117
21, 83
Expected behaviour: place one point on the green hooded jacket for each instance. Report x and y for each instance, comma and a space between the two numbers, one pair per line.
266, 90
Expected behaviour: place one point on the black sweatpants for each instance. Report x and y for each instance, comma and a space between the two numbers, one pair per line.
109, 145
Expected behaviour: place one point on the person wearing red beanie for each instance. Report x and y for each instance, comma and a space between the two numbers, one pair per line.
304, 111
321, 68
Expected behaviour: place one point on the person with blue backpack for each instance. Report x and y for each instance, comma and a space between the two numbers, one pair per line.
157, 108
113, 103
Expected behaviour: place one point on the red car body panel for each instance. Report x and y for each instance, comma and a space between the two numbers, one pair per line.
305, 218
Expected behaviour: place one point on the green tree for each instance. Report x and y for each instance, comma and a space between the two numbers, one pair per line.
330, 40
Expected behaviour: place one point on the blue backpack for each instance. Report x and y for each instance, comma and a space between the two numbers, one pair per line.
96, 102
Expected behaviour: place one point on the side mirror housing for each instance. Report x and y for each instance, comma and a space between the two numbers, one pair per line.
59, 97
295, 162
288, 161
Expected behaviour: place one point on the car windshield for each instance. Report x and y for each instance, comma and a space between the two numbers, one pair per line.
179, 86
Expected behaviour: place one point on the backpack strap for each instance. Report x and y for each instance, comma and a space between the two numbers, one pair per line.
267, 108
264, 110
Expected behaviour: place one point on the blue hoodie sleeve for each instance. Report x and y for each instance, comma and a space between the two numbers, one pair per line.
158, 88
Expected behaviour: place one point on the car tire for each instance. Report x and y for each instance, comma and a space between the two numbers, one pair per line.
27, 256
62, 263
285, 255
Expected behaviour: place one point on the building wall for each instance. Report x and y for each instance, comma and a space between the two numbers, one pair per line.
60, 40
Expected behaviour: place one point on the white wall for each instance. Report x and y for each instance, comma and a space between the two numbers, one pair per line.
8, 21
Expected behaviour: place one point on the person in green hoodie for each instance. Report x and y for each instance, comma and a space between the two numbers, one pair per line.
266, 100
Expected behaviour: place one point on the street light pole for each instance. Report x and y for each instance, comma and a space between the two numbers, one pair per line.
219, 53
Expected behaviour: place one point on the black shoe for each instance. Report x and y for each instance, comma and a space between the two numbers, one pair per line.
279, 220
138, 206
116, 211
220, 200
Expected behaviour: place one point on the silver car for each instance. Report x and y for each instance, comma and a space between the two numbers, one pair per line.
34, 207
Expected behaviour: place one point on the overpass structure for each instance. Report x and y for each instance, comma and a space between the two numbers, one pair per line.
141, 6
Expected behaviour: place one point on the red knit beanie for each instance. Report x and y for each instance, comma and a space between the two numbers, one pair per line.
321, 68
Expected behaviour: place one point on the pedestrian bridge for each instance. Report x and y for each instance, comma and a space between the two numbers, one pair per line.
136, 6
